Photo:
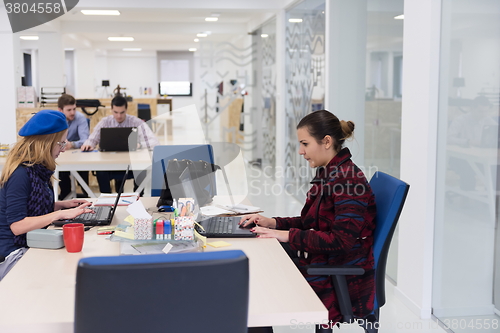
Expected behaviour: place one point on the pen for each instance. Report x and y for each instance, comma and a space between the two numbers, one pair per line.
127, 201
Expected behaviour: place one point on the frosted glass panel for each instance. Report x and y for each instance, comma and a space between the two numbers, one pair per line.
466, 268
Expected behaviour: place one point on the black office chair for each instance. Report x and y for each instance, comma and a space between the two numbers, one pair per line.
390, 195
144, 112
185, 292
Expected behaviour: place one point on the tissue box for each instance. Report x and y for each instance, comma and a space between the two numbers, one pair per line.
143, 228
184, 228
45, 239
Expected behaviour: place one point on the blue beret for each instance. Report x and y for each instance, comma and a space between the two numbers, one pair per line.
44, 122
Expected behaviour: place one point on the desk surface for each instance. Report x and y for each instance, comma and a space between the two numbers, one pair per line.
74, 159
38, 294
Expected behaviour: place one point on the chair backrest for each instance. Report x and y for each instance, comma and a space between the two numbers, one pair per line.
144, 111
189, 152
185, 292
390, 195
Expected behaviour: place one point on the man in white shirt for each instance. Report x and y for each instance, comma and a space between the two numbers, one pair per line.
119, 118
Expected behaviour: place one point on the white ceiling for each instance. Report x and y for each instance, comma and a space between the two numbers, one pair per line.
173, 24
159, 25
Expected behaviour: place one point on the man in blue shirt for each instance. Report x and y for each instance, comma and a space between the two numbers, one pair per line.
78, 132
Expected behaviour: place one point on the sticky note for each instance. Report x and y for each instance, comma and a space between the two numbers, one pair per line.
219, 244
124, 234
129, 219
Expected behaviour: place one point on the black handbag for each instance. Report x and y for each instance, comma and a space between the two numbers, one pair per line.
202, 178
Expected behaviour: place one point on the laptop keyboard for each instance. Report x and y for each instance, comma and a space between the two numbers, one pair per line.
219, 225
100, 213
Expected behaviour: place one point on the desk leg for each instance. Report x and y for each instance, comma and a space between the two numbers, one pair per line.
83, 184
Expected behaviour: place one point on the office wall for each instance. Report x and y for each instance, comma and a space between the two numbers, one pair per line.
83, 62
418, 153
51, 55
9, 67
134, 72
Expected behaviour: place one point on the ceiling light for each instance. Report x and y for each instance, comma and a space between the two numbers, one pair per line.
192, 49
201, 35
399, 17
264, 35
29, 37
196, 40
121, 39
211, 19
295, 20
132, 49
69, 49
100, 12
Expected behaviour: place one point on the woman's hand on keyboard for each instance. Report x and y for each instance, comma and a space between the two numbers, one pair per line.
70, 203
258, 219
281, 235
68, 214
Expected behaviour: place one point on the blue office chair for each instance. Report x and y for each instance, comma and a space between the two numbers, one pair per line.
390, 195
184, 292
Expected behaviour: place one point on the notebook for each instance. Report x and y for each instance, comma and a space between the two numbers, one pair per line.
118, 139
217, 226
103, 215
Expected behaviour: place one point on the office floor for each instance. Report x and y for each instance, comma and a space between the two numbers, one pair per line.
395, 316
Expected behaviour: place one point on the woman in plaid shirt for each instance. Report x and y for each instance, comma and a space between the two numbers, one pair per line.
336, 224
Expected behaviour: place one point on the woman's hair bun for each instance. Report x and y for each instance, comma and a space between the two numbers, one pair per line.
347, 128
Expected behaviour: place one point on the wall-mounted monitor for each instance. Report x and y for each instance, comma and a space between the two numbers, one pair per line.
176, 88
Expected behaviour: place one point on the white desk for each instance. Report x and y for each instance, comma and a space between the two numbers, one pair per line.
75, 160
38, 293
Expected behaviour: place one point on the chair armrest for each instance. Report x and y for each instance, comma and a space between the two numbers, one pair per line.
335, 270
339, 282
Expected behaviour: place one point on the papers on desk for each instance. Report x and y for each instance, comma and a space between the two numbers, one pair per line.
126, 199
239, 209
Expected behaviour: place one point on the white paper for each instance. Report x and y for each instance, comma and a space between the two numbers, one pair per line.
138, 211
245, 208
167, 248
240, 209
214, 211
107, 199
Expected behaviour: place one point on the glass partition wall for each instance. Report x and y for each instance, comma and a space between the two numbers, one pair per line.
305, 84
466, 286
384, 57
378, 65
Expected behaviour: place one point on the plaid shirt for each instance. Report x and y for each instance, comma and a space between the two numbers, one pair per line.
146, 138
336, 228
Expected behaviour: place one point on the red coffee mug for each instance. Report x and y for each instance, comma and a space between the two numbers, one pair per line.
73, 236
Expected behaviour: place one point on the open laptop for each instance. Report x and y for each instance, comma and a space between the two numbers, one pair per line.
118, 139
103, 215
217, 226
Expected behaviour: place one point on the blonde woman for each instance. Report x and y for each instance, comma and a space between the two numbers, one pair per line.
26, 194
